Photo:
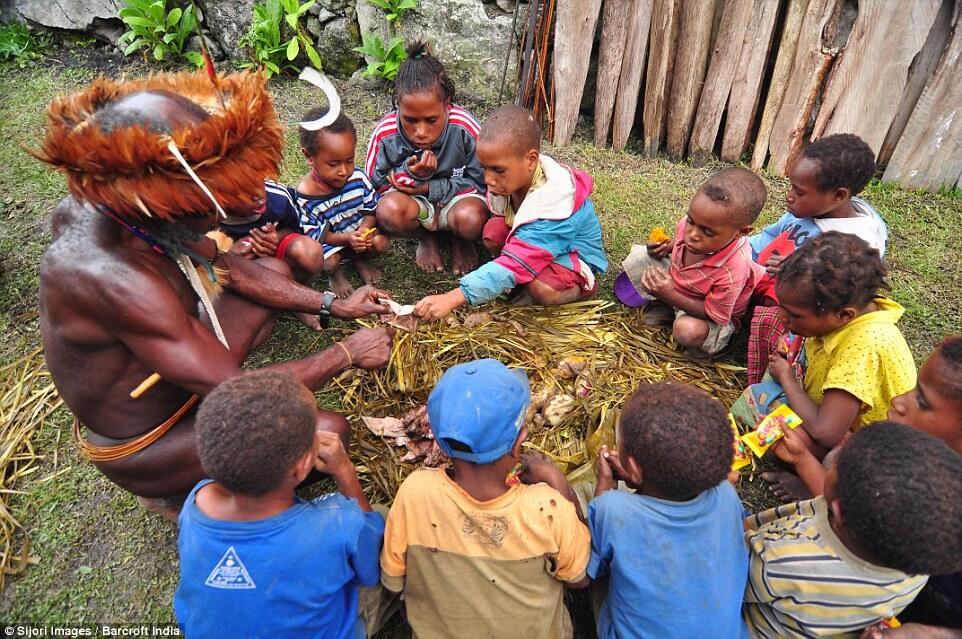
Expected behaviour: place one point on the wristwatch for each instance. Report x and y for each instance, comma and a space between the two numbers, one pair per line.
324, 314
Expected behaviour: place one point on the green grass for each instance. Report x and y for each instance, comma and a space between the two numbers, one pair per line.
103, 559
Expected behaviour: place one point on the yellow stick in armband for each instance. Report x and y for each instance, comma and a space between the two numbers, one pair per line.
145, 385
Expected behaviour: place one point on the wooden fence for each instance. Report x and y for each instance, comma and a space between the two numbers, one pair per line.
699, 77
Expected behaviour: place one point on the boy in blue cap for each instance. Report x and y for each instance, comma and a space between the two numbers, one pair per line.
473, 556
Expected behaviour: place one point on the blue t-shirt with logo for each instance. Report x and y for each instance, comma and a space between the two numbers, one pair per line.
676, 569
295, 574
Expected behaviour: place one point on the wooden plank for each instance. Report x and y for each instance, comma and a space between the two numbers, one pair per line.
725, 55
862, 95
611, 52
573, 37
929, 154
813, 60
787, 48
664, 33
691, 61
919, 73
747, 83
632, 71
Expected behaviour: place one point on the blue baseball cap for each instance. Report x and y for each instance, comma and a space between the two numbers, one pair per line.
479, 406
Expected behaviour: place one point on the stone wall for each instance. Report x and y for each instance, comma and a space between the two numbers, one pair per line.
471, 37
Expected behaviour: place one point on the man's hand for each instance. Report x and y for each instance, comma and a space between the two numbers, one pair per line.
370, 348
408, 189
656, 281
331, 456
609, 470
774, 264
660, 250
425, 167
363, 302
795, 447
435, 307
265, 240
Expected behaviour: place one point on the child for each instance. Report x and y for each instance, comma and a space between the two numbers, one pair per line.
473, 556
255, 559
337, 202
674, 550
706, 274
543, 231
421, 157
836, 564
858, 360
824, 182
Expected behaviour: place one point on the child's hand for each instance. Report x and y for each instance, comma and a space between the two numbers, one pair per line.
408, 189
793, 447
423, 167
774, 264
660, 250
435, 307
905, 631
358, 242
265, 240
536, 467
609, 470
331, 456
656, 281
244, 248
779, 368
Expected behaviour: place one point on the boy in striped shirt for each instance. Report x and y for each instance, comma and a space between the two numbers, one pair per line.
834, 565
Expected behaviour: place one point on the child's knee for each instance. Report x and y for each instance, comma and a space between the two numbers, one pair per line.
466, 219
306, 255
379, 244
397, 213
690, 331
335, 423
331, 263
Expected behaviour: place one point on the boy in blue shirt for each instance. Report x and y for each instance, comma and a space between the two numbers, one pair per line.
255, 559
673, 551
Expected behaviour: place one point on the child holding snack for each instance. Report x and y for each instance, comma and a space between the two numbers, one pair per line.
337, 202
673, 551
543, 232
255, 559
421, 157
706, 275
474, 557
825, 181
836, 564
857, 359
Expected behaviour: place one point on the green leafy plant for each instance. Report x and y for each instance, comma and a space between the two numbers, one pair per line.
383, 59
152, 27
20, 45
394, 10
276, 37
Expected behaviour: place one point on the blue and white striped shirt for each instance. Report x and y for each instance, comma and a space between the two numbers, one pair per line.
340, 212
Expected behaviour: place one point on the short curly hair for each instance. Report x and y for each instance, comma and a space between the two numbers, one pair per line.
837, 270
740, 190
252, 428
679, 435
311, 140
900, 492
514, 125
844, 161
949, 353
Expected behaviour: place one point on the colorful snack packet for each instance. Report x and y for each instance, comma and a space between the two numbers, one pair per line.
771, 429
658, 235
742, 458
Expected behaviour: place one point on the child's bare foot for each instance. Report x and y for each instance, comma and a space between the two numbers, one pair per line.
310, 320
428, 256
340, 285
369, 273
786, 486
162, 507
464, 257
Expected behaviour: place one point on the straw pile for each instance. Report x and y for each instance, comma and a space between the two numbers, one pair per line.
27, 397
617, 354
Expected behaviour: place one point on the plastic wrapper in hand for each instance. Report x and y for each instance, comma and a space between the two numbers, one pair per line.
771, 429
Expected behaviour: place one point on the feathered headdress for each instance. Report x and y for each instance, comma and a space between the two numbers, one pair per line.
135, 172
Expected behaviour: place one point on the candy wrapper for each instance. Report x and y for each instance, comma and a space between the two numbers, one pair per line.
658, 235
742, 458
771, 429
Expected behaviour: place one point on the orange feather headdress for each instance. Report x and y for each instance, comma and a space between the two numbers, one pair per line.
133, 171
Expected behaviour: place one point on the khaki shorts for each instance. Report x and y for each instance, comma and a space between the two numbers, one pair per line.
434, 220
638, 261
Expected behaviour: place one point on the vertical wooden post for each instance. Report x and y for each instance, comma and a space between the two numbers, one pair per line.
787, 49
747, 83
725, 55
861, 96
611, 52
691, 59
574, 34
632, 71
664, 33
929, 154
